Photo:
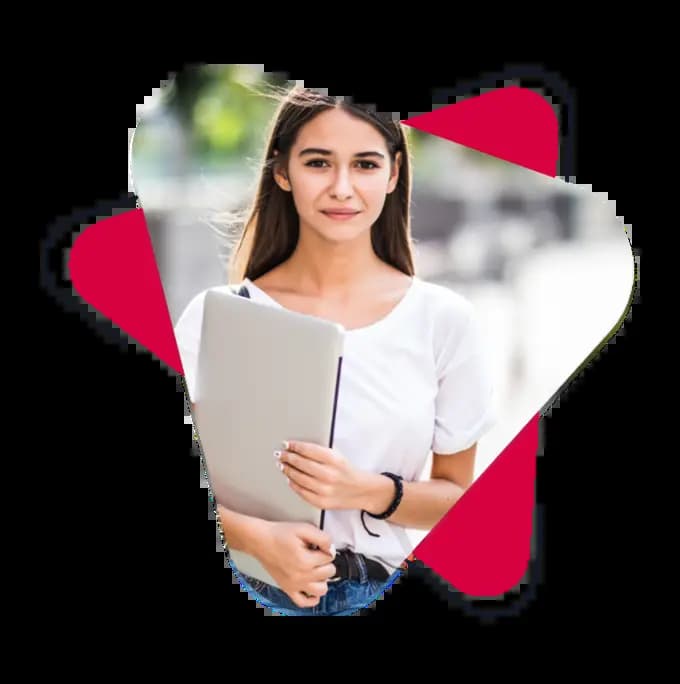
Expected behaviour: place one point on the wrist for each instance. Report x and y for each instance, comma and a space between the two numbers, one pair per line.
379, 494
257, 536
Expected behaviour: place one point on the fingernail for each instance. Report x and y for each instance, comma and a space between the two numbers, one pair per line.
280, 466
277, 454
285, 445
334, 553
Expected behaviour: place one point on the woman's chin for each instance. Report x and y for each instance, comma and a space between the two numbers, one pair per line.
342, 234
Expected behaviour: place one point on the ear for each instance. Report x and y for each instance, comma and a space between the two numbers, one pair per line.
280, 175
394, 175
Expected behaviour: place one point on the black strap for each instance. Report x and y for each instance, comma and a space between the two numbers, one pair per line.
241, 292
399, 492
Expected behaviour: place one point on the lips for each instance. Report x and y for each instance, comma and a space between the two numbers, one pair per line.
340, 214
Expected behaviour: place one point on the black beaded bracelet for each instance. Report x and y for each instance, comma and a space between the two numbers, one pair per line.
397, 479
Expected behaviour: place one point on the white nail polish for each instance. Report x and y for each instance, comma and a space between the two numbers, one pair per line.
277, 454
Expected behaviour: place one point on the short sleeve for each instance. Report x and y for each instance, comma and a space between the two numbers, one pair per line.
188, 336
465, 404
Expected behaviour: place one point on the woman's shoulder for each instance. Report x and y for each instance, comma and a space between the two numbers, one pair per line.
444, 302
453, 322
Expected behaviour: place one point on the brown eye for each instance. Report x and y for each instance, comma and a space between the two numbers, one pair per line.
315, 163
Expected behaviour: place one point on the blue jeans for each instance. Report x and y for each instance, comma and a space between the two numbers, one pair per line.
344, 597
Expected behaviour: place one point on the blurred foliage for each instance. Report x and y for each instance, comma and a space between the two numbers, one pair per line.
222, 113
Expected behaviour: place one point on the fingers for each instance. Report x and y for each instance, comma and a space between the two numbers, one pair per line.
317, 559
302, 465
298, 477
316, 589
321, 556
316, 500
313, 536
312, 589
302, 600
313, 452
310, 595
324, 572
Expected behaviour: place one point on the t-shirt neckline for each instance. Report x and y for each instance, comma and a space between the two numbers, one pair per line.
385, 320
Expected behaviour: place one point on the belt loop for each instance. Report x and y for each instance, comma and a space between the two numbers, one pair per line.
363, 571
353, 566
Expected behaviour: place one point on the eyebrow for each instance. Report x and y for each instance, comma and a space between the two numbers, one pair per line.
318, 150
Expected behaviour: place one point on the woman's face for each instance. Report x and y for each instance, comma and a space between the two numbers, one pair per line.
339, 163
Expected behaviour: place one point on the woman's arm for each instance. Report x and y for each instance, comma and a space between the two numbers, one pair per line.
327, 479
424, 504
298, 556
242, 532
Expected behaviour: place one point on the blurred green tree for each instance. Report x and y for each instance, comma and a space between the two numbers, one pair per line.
224, 115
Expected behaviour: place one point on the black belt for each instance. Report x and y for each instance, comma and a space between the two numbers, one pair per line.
347, 564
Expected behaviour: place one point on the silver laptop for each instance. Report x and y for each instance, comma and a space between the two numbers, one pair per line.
265, 375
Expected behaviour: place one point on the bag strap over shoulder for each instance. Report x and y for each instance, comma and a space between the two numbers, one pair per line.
241, 291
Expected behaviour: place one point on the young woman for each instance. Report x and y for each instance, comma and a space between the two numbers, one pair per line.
329, 236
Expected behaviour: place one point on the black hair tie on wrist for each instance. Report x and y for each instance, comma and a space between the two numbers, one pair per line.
399, 491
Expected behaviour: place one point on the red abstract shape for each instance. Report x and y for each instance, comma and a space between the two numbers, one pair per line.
113, 267
482, 546
514, 124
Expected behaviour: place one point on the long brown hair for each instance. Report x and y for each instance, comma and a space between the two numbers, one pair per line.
270, 232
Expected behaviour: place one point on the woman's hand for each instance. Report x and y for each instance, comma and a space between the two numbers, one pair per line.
299, 556
324, 477
287, 551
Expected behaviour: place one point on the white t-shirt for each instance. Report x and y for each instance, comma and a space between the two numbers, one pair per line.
414, 382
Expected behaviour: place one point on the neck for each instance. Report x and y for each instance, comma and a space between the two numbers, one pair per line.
327, 268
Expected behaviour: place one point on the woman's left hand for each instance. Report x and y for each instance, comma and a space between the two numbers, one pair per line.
323, 476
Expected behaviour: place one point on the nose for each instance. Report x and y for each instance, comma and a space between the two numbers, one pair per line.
341, 188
